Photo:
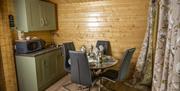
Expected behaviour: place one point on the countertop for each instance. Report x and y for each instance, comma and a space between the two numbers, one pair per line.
33, 54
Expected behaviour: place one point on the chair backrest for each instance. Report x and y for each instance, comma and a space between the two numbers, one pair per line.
125, 63
80, 72
66, 48
106, 45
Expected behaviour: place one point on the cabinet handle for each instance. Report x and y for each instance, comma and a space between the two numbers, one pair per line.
46, 22
44, 63
42, 21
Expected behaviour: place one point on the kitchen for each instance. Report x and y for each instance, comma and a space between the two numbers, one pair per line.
123, 23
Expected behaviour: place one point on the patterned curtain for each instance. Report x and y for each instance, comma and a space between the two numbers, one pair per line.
143, 72
161, 48
166, 75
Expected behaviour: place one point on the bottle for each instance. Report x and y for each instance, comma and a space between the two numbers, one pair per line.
100, 58
20, 35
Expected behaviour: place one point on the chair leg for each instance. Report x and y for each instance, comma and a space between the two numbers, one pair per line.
65, 86
89, 89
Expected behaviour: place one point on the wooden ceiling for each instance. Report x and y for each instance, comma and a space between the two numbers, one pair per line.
77, 1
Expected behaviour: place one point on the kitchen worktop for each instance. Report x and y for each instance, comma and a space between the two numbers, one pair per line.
40, 52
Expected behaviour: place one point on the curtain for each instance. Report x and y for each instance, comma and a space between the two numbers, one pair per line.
143, 72
159, 61
166, 75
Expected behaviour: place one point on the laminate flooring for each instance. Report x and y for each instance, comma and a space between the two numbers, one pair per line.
74, 87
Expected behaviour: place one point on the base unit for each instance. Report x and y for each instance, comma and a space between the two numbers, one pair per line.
37, 71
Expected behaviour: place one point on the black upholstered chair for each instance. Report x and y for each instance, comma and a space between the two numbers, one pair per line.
106, 45
120, 75
66, 48
80, 71
67, 67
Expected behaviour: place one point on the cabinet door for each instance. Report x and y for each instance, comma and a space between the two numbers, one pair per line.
42, 8
27, 15
59, 64
33, 15
51, 16
47, 16
46, 69
40, 69
50, 66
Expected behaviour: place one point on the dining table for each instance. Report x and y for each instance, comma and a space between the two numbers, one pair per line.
107, 62
95, 64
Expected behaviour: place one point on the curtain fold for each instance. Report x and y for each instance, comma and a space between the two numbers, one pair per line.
166, 75
143, 71
159, 59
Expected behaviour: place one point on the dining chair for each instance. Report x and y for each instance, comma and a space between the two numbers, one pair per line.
106, 45
66, 48
67, 67
120, 75
80, 70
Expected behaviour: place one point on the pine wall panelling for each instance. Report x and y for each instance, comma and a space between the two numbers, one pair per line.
2, 80
6, 46
76, 1
122, 22
46, 35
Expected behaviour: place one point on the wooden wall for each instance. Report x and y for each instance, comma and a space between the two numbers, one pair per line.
7, 63
46, 35
122, 22
76, 1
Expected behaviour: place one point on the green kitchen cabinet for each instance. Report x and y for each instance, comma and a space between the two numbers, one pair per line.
47, 14
31, 17
37, 71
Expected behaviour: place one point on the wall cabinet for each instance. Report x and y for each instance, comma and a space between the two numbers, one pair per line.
48, 17
35, 15
37, 72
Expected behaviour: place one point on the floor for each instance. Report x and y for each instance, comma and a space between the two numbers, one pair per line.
114, 87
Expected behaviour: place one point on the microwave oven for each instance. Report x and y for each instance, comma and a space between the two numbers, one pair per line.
28, 46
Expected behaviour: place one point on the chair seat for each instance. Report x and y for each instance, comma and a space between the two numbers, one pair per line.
110, 74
